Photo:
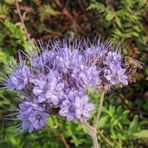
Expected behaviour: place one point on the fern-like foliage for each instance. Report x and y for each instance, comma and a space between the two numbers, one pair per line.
11, 2
47, 10
125, 17
4, 10
17, 32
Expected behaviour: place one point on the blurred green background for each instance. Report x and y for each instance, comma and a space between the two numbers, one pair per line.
124, 121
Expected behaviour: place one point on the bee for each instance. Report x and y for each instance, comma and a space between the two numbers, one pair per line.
132, 66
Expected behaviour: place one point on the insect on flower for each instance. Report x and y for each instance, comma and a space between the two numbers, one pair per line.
61, 76
132, 66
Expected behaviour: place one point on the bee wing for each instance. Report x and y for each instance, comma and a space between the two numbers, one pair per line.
139, 64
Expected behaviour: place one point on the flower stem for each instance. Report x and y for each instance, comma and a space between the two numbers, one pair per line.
22, 21
92, 133
99, 110
93, 129
95, 141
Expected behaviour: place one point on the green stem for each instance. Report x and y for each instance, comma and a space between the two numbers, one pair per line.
22, 21
92, 133
99, 110
93, 129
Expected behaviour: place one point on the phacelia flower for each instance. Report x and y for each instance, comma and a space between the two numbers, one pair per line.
48, 88
86, 76
32, 115
113, 71
19, 78
59, 77
76, 106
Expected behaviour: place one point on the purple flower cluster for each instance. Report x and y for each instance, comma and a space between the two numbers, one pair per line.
76, 106
114, 72
19, 78
57, 79
32, 115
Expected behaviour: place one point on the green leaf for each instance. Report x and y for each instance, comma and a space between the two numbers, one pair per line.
75, 140
4, 10
142, 134
3, 56
17, 32
110, 15
11, 2
133, 125
118, 22
111, 110
102, 122
51, 122
46, 11
97, 6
